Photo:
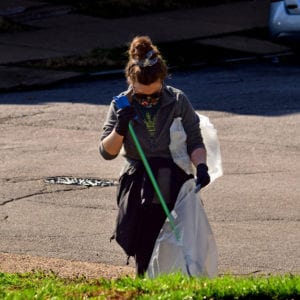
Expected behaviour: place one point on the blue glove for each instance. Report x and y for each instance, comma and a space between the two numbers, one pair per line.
124, 116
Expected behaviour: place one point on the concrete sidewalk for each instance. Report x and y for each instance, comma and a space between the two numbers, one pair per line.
57, 31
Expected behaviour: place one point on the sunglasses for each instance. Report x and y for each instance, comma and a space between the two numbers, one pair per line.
147, 100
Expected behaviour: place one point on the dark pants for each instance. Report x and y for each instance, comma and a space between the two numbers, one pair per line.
153, 218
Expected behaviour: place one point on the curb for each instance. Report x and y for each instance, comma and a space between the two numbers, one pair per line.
119, 73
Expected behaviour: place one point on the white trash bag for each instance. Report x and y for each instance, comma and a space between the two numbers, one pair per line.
210, 139
195, 252
212, 145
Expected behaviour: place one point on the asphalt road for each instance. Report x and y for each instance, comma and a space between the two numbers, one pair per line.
254, 208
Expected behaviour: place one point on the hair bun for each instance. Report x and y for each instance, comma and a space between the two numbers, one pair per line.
140, 48
145, 64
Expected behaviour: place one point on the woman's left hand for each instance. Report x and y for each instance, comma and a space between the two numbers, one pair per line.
203, 178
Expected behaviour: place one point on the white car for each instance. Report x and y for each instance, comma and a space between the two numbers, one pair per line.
284, 21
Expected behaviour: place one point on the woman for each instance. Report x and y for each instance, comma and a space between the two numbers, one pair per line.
153, 107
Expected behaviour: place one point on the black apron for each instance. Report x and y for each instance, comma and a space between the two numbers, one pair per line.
141, 215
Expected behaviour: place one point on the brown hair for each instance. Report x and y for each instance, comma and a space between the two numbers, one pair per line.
138, 69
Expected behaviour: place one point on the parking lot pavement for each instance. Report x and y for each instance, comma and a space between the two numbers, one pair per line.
253, 208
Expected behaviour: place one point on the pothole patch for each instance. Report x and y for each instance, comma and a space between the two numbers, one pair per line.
81, 181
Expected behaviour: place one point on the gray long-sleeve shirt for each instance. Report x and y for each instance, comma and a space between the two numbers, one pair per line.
174, 104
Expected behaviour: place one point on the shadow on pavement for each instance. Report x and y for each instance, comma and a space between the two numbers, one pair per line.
266, 89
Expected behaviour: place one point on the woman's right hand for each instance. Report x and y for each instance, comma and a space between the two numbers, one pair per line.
124, 116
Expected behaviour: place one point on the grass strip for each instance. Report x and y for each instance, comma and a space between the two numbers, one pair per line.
40, 285
9, 26
182, 54
126, 8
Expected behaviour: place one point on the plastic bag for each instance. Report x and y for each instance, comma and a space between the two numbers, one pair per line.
212, 145
210, 139
195, 252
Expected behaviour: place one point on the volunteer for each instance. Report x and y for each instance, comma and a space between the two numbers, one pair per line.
153, 106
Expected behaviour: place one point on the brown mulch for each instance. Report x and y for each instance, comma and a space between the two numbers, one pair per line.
16, 263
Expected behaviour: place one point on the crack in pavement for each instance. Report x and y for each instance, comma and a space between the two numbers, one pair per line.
19, 179
112, 207
4, 219
99, 207
4, 120
259, 219
38, 193
254, 173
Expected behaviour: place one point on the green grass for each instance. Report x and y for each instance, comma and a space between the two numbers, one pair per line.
39, 285
182, 54
94, 61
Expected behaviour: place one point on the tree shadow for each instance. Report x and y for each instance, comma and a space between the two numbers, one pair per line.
265, 90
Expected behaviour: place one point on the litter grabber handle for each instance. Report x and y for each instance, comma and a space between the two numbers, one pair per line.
122, 101
153, 180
